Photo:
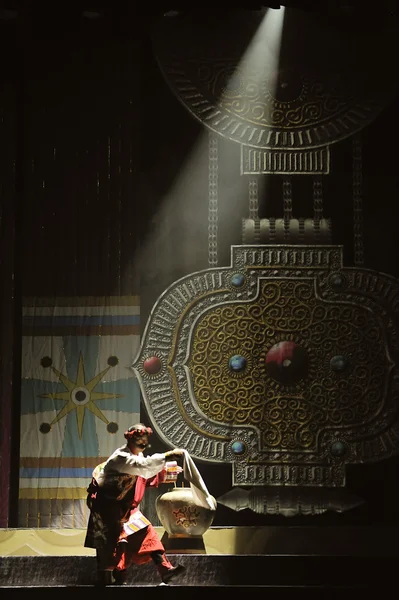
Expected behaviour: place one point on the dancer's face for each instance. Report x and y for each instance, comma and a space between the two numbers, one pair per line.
139, 443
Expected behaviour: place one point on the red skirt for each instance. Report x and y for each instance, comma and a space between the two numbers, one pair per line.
136, 547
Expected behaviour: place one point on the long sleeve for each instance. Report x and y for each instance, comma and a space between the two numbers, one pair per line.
123, 461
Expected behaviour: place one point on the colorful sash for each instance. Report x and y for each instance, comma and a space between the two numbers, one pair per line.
136, 522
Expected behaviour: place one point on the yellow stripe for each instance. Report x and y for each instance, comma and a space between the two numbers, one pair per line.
53, 494
56, 462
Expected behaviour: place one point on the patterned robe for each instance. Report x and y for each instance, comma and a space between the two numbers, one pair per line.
113, 497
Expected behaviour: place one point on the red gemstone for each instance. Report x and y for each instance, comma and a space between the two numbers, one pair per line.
287, 362
281, 352
152, 365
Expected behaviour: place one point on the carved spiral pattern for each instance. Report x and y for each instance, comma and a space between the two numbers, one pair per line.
289, 417
259, 100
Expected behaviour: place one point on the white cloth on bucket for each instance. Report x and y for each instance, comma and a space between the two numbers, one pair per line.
199, 490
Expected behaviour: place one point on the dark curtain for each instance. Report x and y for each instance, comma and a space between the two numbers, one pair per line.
92, 142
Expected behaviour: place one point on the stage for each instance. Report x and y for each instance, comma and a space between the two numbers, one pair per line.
325, 561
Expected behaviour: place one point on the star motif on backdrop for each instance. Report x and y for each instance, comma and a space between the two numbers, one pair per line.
80, 395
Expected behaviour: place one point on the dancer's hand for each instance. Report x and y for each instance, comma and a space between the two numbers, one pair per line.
174, 452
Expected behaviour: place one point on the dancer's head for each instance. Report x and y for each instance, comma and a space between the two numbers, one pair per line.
137, 437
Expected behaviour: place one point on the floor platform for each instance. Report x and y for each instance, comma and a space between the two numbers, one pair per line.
269, 571
322, 562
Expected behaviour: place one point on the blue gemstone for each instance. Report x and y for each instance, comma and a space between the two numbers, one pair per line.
237, 362
336, 280
233, 83
338, 363
237, 280
238, 448
338, 449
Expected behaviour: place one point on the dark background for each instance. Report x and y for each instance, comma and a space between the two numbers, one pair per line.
91, 141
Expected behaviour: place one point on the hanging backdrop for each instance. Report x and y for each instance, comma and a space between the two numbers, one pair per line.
78, 395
